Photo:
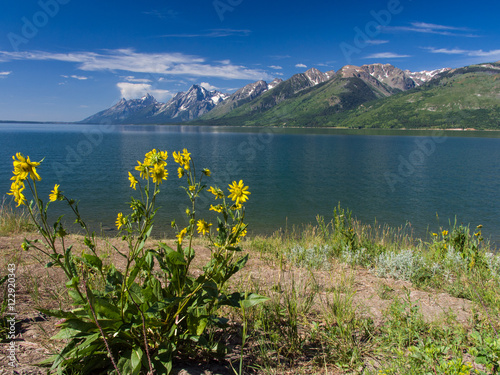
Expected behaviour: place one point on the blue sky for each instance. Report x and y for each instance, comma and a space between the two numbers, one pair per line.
63, 60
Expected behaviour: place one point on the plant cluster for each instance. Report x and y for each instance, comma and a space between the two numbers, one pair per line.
137, 319
456, 260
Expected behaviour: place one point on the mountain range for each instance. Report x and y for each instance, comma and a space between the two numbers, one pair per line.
374, 95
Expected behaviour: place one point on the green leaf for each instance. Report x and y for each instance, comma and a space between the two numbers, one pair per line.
80, 325
175, 258
136, 359
68, 261
253, 299
93, 261
58, 313
77, 300
104, 307
125, 364
114, 279
197, 324
162, 361
149, 260
133, 274
240, 263
164, 305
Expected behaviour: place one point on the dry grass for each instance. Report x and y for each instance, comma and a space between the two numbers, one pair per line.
305, 305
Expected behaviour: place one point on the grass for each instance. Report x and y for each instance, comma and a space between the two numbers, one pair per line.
13, 220
345, 297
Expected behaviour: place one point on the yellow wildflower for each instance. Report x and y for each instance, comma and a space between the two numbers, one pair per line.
217, 208
180, 172
24, 166
445, 233
183, 158
434, 234
143, 169
242, 234
16, 189
148, 158
239, 192
216, 191
120, 220
55, 194
203, 227
236, 206
159, 173
177, 157
186, 155
181, 235
133, 180
154, 157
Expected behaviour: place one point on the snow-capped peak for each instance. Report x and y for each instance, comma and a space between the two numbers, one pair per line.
425, 75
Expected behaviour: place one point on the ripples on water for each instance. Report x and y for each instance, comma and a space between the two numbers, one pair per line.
394, 177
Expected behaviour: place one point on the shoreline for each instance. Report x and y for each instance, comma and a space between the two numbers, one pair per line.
4, 122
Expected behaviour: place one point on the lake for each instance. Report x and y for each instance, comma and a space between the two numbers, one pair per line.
421, 179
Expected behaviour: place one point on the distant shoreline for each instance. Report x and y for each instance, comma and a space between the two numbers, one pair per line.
256, 126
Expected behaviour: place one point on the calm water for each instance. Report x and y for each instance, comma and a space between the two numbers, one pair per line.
293, 174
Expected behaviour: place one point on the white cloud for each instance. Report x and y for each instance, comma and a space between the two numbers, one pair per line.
153, 63
430, 28
447, 51
80, 78
137, 80
473, 53
300, 66
386, 55
376, 42
275, 67
4, 74
433, 26
208, 86
130, 90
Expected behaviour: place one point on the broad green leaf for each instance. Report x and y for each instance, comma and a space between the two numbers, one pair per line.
105, 308
133, 274
93, 261
68, 261
80, 325
149, 259
125, 365
73, 283
114, 279
77, 300
136, 359
253, 299
164, 305
197, 325
175, 258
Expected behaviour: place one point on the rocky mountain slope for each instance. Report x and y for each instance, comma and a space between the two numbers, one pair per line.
374, 95
381, 96
183, 106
